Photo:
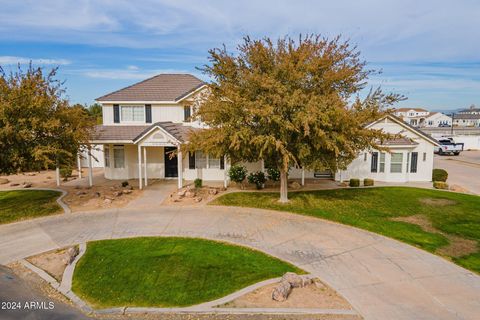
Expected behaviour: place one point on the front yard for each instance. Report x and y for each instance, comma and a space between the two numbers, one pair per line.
444, 223
167, 272
18, 205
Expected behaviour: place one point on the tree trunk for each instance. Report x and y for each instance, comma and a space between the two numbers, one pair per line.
283, 186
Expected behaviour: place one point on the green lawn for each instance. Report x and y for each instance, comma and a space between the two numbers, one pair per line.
167, 272
453, 219
18, 205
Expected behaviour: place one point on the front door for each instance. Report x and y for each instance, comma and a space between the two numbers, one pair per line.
171, 164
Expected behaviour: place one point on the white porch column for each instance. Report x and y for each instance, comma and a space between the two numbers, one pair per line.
225, 182
180, 169
140, 167
57, 175
79, 166
303, 176
145, 165
90, 170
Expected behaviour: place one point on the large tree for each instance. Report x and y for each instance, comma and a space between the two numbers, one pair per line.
291, 103
38, 128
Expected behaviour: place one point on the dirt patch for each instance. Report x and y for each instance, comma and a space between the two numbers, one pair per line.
457, 246
316, 295
52, 262
190, 195
437, 202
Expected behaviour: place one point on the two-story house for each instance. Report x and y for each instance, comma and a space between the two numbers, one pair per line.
413, 116
144, 125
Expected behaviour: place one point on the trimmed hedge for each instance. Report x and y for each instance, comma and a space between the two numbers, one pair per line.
440, 185
237, 173
258, 178
439, 175
368, 182
198, 183
354, 183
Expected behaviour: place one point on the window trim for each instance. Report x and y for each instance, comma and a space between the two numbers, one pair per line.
381, 169
144, 120
106, 156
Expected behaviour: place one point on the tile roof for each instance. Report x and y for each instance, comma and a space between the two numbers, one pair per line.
163, 87
466, 116
408, 109
135, 133
399, 141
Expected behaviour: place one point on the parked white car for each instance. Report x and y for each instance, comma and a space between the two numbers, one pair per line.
448, 146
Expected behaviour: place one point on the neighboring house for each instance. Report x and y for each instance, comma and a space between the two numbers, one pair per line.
413, 116
144, 124
467, 117
437, 119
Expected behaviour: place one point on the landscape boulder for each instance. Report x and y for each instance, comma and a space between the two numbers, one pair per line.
181, 193
295, 280
281, 291
14, 184
70, 255
127, 191
107, 201
80, 193
295, 185
190, 194
198, 199
213, 191
4, 181
27, 185
117, 193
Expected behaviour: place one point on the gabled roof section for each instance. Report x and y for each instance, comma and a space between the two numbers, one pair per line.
407, 126
160, 88
178, 131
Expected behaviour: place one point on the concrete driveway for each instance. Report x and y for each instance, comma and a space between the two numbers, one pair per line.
463, 170
380, 277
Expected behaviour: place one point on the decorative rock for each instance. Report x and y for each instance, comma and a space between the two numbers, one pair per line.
129, 187
27, 185
295, 185
213, 191
281, 291
117, 193
197, 199
190, 194
80, 193
77, 187
295, 280
127, 191
30, 174
14, 184
107, 201
181, 193
4, 181
71, 254
97, 194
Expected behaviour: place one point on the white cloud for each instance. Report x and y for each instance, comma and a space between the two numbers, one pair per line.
132, 67
12, 60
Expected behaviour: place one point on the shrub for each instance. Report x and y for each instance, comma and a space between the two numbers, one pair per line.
237, 173
198, 183
273, 174
66, 172
354, 183
124, 183
368, 182
257, 178
439, 175
440, 185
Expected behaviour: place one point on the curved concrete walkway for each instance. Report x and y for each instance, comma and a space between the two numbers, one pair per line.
380, 277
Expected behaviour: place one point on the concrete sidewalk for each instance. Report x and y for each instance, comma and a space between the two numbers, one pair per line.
380, 277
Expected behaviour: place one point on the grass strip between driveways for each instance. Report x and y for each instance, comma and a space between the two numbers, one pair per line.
168, 272
16, 205
444, 223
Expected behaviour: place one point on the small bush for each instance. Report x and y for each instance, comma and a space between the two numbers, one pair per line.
368, 182
237, 173
257, 178
273, 174
198, 183
124, 183
439, 175
354, 183
66, 172
440, 185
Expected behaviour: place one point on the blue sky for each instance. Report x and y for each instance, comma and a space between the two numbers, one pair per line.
428, 50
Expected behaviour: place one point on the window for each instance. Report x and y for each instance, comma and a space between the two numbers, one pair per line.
200, 160
396, 162
382, 162
118, 157
413, 166
374, 164
132, 113
213, 163
187, 114
106, 152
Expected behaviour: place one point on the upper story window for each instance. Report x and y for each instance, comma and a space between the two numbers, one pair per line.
187, 114
132, 113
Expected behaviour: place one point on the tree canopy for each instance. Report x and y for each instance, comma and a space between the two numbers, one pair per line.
291, 103
38, 128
